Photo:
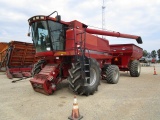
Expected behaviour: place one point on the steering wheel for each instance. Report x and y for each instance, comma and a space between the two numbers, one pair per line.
42, 34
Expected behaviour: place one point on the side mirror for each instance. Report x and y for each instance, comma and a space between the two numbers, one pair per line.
28, 34
58, 18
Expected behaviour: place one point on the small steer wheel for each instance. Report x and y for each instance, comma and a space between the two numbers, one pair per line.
111, 73
135, 68
76, 82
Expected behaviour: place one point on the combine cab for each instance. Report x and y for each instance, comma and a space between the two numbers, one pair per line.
70, 50
17, 58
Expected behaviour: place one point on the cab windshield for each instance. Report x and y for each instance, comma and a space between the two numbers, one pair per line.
48, 38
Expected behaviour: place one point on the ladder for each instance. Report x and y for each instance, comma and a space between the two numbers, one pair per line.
80, 57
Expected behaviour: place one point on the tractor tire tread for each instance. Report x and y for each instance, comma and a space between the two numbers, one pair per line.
110, 78
134, 68
76, 83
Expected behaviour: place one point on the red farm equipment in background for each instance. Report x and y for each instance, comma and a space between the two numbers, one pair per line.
17, 59
3, 48
126, 57
70, 50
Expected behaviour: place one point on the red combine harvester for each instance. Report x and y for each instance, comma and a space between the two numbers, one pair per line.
17, 58
69, 50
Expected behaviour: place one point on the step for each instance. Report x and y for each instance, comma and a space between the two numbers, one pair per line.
87, 78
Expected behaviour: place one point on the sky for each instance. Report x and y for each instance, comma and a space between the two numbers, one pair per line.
136, 17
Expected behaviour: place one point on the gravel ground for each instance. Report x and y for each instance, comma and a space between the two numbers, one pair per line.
130, 99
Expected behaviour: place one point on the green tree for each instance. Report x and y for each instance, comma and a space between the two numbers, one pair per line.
158, 52
153, 54
145, 53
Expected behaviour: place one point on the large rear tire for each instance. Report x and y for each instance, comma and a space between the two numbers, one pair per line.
111, 74
76, 82
135, 68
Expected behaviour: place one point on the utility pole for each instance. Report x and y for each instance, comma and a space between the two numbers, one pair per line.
103, 16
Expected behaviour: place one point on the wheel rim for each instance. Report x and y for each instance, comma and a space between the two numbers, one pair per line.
138, 68
93, 75
115, 74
